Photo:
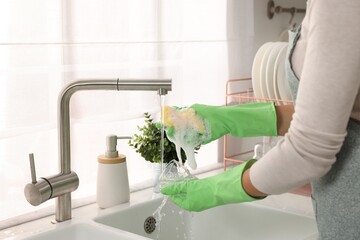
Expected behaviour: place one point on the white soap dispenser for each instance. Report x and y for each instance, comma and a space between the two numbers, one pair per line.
112, 180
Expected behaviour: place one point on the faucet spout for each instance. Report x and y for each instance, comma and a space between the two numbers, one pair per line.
162, 86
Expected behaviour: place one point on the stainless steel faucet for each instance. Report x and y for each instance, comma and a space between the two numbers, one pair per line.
62, 184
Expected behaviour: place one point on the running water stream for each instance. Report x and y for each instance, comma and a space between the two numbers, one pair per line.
162, 115
173, 172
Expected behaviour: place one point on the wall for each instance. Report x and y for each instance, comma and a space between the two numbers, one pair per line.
269, 30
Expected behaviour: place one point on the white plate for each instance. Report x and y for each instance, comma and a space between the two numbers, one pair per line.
279, 58
270, 69
283, 89
256, 69
263, 65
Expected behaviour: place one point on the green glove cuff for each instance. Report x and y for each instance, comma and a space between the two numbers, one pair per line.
244, 120
200, 194
232, 180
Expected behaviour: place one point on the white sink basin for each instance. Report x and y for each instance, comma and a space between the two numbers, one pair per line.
238, 221
81, 231
248, 221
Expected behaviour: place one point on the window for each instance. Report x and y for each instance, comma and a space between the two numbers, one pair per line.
45, 44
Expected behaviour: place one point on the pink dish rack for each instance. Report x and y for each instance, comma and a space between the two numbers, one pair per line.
239, 91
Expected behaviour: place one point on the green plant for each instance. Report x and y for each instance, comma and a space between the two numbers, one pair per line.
147, 143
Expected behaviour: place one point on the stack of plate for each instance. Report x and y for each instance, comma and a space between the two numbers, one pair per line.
268, 72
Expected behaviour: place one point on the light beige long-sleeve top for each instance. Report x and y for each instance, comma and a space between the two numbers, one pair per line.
326, 59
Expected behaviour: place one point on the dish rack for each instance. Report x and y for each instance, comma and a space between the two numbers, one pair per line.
239, 91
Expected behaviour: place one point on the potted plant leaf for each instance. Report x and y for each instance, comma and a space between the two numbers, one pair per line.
147, 144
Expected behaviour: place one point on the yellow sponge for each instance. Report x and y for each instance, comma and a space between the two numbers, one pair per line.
182, 118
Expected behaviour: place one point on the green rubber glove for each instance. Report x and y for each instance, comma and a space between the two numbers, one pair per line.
244, 120
200, 124
201, 194
213, 122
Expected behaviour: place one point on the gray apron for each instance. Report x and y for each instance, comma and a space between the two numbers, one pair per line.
336, 196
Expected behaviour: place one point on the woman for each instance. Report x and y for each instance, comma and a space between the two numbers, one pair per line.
322, 145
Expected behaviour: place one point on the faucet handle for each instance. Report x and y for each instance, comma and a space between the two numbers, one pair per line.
32, 168
37, 192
